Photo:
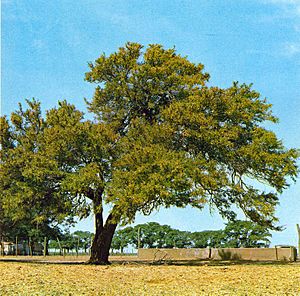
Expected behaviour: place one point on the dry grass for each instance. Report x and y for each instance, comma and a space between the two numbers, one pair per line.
19, 278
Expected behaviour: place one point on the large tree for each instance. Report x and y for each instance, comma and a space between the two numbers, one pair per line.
182, 142
160, 137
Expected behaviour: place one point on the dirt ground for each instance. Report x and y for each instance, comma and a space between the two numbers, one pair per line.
138, 278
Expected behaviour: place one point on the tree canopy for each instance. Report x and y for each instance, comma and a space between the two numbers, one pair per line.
160, 137
183, 142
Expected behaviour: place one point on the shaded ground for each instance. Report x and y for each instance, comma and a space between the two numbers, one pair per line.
27, 278
60, 259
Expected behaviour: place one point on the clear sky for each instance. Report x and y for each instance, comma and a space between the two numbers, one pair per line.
46, 46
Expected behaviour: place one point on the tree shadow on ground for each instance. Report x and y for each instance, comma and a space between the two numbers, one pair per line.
155, 263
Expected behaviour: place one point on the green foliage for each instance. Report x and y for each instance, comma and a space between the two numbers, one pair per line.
182, 142
51, 165
84, 238
208, 238
245, 234
237, 234
150, 235
28, 190
123, 238
178, 239
25, 178
137, 85
78, 240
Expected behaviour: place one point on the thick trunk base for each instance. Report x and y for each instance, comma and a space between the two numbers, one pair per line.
102, 240
97, 262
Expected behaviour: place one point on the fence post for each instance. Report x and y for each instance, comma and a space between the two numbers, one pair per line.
77, 250
139, 238
16, 246
60, 248
91, 243
45, 246
276, 253
298, 229
209, 253
30, 247
2, 246
293, 254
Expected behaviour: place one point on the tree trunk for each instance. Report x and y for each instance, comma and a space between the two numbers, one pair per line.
103, 238
47, 247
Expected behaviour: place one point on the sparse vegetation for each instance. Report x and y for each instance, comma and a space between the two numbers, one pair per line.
137, 279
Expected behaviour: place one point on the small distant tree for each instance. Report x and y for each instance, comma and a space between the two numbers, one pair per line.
207, 238
246, 234
164, 236
85, 239
177, 239
68, 241
150, 235
123, 238
54, 244
216, 239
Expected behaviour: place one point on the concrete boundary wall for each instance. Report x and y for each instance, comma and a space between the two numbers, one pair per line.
255, 254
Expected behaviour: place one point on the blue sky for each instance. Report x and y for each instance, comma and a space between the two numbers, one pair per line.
46, 46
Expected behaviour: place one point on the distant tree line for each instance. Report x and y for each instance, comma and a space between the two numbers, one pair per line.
78, 241
236, 234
